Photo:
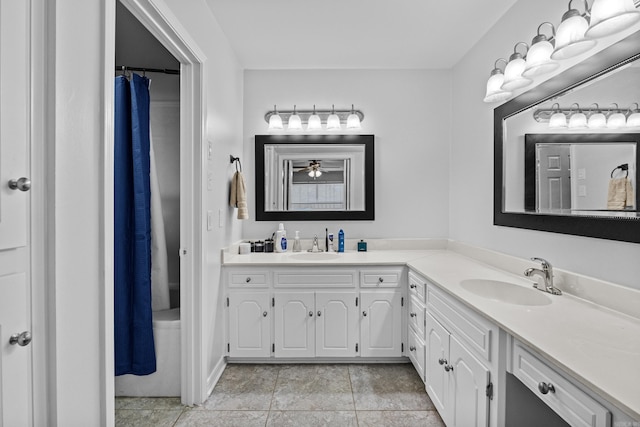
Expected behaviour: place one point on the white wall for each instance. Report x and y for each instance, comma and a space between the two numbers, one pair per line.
471, 191
409, 112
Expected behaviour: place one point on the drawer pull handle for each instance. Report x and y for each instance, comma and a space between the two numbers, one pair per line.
412, 314
248, 279
546, 388
412, 348
448, 368
380, 279
442, 361
412, 286
264, 314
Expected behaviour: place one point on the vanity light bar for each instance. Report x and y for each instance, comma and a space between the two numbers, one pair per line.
542, 115
304, 115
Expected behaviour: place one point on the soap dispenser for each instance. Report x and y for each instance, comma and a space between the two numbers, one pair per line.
296, 242
281, 239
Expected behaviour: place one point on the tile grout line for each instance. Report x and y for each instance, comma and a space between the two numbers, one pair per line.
273, 395
353, 398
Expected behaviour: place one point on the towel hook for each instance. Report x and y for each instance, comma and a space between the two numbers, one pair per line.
235, 160
623, 167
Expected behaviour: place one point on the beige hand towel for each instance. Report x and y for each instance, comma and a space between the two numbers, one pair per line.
620, 194
238, 197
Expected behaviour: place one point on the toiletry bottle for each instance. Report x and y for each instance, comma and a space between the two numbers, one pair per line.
281, 235
331, 248
341, 240
296, 243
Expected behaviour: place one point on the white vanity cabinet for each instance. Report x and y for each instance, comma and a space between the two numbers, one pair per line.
315, 324
459, 350
416, 311
381, 323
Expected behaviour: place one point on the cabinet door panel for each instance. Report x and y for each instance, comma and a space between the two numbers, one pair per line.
469, 405
336, 324
249, 328
294, 324
381, 328
436, 377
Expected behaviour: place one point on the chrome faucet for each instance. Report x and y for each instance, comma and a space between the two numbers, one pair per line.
546, 273
315, 247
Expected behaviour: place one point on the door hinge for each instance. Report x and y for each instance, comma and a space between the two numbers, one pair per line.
490, 391
356, 347
402, 347
273, 302
402, 302
182, 252
273, 348
356, 301
228, 348
227, 301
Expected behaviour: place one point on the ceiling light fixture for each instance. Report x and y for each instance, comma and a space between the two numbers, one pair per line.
295, 119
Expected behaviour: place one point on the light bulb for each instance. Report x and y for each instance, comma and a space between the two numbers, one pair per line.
333, 121
353, 121
578, 121
597, 121
558, 119
295, 123
494, 92
314, 122
513, 78
616, 120
570, 38
275, 121
539, 55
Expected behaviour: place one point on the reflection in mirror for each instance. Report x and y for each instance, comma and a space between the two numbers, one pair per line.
581, 174
585, 198
306, 177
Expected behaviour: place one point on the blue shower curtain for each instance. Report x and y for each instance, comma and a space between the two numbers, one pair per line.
133, 327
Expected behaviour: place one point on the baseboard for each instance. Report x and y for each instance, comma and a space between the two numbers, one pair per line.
215, 374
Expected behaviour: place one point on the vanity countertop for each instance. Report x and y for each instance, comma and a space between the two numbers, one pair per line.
599, 347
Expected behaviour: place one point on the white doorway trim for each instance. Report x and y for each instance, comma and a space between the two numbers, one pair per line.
158, 19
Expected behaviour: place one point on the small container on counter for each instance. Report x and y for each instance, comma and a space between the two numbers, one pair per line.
362, 246
259, 246
268, 245
244, 248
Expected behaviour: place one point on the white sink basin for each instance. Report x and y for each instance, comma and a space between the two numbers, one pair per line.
314, 256
505, 292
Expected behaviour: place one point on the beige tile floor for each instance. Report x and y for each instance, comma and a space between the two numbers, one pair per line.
296, 395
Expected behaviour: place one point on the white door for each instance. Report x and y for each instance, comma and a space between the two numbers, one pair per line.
381, 328
468, 402
336, 324
15, 291
249, 324
294, 324
554, 176
437, 357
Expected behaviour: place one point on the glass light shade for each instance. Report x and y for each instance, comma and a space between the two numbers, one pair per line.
597, 121
294, 122
314, 122
333, 122
275, 122
539, 59
570, 38
611, 16
513, 75
494, 92
578, 121
616, 121
353, 121
315, 174
558, 120
633, 121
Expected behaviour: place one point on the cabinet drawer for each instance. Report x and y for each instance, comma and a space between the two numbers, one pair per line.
572, 404
256, 279
417, 286
416, 315
417, 353
475, 330
307, 278
387, 278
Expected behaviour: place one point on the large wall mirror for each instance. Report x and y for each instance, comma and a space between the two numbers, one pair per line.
314, 177
580, 181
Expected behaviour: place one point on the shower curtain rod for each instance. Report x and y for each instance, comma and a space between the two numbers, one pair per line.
151, 70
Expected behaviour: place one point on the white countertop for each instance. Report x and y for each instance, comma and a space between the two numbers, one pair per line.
599, 347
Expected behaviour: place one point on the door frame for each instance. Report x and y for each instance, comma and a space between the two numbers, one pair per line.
160, 21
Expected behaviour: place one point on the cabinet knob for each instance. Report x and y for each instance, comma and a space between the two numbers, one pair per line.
448, 368
380, 279
264, 314
248, 279
546, 388
412, 286
20, 339
412, 348
442, 361
412, 314
319, 313
364, 313
311, 314
22, 184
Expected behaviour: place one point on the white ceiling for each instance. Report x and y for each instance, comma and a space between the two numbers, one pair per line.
290, 34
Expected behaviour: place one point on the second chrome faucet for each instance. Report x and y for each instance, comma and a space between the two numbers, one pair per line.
546, 273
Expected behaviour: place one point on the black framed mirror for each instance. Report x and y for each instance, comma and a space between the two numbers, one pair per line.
314, 177
578, 83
